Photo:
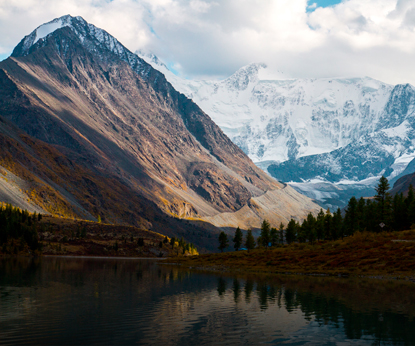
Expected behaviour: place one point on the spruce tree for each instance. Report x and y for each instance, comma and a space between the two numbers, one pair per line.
382, 198
265, 233
250, 241
281, 233
337, 225
320, 225
350, 219
328, 224
291, 232
237, 240
223, 241
311, 228
274, 236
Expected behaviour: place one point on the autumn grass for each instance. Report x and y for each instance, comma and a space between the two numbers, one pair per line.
368, 254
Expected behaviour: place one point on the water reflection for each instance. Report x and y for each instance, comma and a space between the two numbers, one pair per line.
123, 301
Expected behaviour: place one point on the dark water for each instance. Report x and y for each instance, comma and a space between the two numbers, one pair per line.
76, 301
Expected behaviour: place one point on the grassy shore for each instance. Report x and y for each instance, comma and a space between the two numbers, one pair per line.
369, 254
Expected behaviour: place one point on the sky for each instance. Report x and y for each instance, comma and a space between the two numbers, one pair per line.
212, 39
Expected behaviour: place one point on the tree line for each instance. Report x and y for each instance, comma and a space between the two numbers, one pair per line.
380, 213
17, 224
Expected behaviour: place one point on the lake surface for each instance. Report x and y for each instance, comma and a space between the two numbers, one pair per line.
82, 301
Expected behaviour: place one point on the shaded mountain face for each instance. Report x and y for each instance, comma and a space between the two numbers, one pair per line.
329, 138
121, 138
402, 184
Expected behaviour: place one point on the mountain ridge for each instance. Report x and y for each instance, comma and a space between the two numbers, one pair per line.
110, 114
340, 131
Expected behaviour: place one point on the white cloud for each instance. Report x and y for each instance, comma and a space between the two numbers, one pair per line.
206, 38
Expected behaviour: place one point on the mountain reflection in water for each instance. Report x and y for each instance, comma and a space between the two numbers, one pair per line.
72, 301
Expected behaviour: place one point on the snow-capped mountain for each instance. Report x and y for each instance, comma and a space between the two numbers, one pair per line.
89, 128
340, 131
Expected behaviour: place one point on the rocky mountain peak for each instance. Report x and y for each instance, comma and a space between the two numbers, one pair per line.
245, 75
95, 40
44, 30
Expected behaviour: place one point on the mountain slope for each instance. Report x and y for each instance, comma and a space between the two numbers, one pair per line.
108, 113
337, 132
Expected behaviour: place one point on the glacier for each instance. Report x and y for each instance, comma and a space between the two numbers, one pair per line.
330, 138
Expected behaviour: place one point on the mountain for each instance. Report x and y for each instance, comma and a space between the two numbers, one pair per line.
402, 184
91, 129
339, 135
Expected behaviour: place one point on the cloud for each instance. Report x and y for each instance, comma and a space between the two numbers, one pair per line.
204, 38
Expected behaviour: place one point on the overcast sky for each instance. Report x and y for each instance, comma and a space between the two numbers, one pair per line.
207, 39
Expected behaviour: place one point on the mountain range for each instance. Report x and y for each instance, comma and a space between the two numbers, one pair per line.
329, 138
89, 128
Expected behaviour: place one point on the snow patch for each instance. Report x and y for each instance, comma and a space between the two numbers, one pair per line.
46, 29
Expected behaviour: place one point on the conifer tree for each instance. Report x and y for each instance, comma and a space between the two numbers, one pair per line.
382, 198
223, 241
311, 229
291, 232
328, 224
350, 219
250, 241
337, 226
274, 236
320, 225
281, 233
237, 240
265, 233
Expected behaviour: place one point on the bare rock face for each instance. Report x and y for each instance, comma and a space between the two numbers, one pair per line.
119, 135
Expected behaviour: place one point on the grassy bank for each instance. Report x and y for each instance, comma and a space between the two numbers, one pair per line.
387, 254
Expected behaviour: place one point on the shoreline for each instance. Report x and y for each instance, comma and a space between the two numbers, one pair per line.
247, 272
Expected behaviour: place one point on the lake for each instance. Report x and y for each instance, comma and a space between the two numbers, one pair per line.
83, 301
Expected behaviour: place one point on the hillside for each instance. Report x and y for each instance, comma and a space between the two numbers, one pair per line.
88, 128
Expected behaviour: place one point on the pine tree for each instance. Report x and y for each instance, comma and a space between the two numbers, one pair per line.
281, 233
350, 219
328, 224
302, 232
274, 236
372, 223
291, 232
337, 225
237, 240
265, 233
320, 225
311, 228
250, 241
223, 241
382, 198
